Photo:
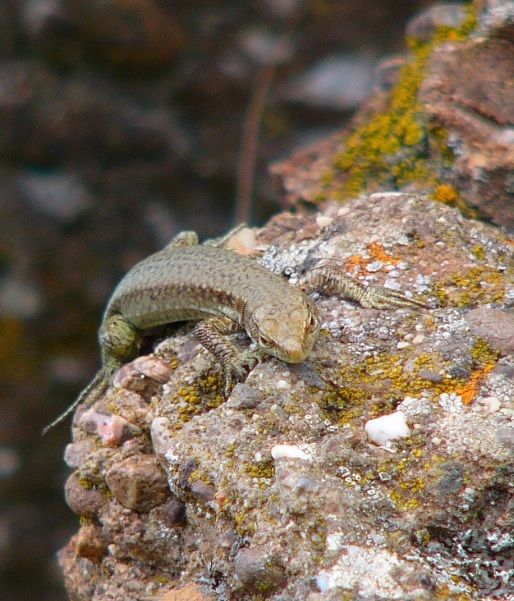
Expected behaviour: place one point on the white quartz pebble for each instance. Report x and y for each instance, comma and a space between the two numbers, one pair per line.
387, 428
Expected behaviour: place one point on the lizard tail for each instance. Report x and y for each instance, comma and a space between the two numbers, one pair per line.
90, 394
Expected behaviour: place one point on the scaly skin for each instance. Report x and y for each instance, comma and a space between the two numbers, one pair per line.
229, 293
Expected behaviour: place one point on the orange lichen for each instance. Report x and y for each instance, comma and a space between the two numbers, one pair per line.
376, 251
446, 194
469, 391
355, 263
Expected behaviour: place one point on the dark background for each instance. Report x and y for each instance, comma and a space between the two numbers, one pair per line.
121, 124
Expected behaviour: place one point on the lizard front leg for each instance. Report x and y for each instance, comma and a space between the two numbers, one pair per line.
212, 332
326, 278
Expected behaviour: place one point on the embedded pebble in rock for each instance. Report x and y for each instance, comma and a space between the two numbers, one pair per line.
172, 512
143, 375
91, 544
374, 266
255, 569
112, 429
202, 491
138, 483
160, 434
283, 451
430, 376
324, 221
244, 396
76, 453
491, 404
243, 242
387, 428
83, 499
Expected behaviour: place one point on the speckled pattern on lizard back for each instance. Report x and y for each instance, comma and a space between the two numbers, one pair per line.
228, 293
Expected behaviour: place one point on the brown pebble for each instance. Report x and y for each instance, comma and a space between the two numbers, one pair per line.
172, 513
254, 567
143, 375
202, 491
138, 483
83, 500
90, 543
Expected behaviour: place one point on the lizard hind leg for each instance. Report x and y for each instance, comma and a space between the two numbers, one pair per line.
327, 278
119, 341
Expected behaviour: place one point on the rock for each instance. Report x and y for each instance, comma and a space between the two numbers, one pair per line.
441, 123
143, 375
279, 487
191, 592
138, 483
245, 397
172, 512
374, 573
464, 93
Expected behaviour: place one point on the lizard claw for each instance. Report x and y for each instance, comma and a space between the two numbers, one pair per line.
378, 297
237, 370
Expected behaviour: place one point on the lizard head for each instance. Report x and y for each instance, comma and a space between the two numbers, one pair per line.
286, 331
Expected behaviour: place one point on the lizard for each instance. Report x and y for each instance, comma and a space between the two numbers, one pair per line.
227, 293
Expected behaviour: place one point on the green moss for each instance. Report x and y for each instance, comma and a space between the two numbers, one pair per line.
400, 146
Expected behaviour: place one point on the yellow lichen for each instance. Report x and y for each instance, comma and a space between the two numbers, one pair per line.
477, 285
260, 469
400, 146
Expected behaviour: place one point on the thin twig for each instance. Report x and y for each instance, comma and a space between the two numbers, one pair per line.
252, 126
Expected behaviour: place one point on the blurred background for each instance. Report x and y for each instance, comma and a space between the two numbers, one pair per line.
122, 122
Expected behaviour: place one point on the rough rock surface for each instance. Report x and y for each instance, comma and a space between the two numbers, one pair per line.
444, 128
278, 493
